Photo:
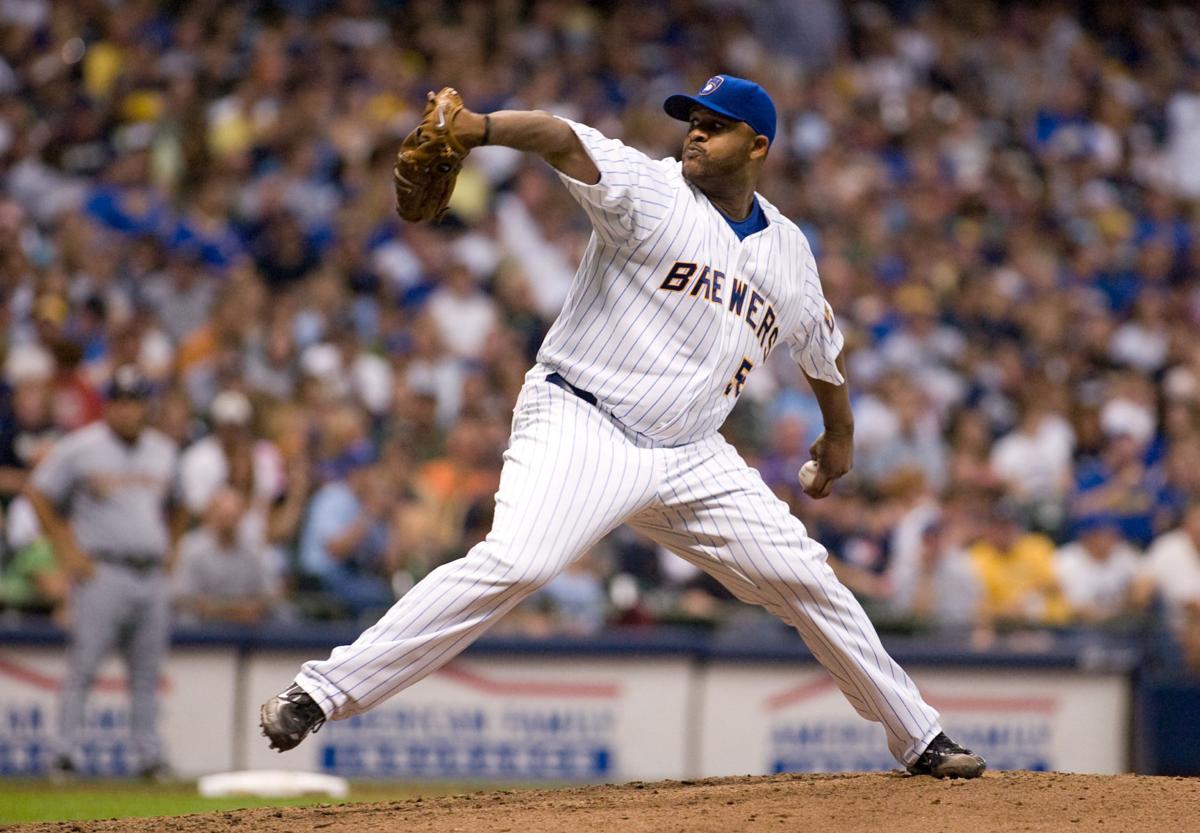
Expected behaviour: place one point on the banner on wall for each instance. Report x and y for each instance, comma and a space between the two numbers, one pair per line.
510, 719
521, 718
765, 719
196, 712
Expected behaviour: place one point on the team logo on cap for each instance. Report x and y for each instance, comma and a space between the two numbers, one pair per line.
711, 84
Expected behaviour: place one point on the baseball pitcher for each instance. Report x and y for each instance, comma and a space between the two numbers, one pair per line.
689, 281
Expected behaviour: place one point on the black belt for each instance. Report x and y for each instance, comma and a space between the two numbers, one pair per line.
138, 562
557, 379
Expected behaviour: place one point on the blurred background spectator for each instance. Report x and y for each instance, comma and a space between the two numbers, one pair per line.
346, 545
1016, 569
1172, 573
1002, 199
1097, 571
219, 576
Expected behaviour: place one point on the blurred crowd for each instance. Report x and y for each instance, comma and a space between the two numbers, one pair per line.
1002, 198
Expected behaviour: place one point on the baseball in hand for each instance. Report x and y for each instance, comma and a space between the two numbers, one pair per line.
808, 473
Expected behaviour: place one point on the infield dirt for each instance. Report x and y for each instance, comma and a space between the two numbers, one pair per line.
874, 803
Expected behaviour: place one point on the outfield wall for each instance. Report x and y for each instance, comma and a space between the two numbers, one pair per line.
621, 707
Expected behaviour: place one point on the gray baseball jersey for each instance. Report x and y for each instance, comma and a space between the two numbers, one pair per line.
113, 492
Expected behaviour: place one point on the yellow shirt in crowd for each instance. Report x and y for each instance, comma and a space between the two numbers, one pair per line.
1020, 583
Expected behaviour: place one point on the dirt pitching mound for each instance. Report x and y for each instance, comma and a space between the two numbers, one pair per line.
887, 803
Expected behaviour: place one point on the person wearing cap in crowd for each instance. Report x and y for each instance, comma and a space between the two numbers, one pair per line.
104, 496
1118, 481
1096, 571
26, 426
273, 490
230, 455
346, 541
943, 591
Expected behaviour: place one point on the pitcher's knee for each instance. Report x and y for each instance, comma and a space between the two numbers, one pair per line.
532, 573
516, 567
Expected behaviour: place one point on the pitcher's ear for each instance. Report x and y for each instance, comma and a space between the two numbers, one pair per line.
760, 146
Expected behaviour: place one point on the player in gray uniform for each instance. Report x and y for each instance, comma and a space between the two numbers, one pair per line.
689, 281
102, 495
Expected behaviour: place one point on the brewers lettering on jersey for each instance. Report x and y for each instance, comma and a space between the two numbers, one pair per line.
689, 281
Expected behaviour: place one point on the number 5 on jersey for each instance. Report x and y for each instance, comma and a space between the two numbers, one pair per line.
739, 378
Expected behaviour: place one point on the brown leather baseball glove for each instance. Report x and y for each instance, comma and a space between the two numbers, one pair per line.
429, 160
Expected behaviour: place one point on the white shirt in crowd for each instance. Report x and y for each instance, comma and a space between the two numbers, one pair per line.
1036, 464
1092, 584
463, 322
203, 469
1173, 563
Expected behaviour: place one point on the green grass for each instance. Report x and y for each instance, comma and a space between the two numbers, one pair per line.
26, 800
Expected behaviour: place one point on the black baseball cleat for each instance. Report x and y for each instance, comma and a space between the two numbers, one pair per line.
944, 758
288, 717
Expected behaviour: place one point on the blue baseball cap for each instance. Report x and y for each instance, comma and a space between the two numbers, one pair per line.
1095, 522
359, 455
730, 96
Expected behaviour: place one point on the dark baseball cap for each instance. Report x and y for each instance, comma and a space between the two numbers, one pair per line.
128, 382
357, 456
733, 97
1096, 522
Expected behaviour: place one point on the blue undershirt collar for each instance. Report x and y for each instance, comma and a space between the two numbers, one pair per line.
755, 221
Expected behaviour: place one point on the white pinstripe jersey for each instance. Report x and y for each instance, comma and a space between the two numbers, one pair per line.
669, 311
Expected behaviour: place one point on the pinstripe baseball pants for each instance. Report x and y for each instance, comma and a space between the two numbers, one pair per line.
571, 475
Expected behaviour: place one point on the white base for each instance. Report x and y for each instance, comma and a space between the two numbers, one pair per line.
269, 783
